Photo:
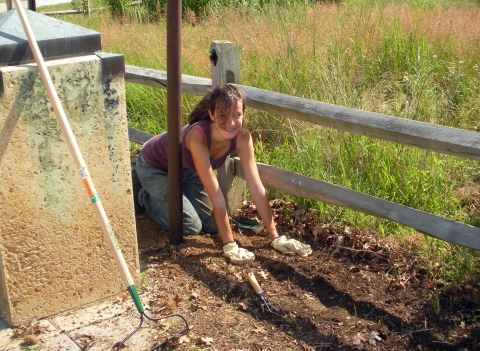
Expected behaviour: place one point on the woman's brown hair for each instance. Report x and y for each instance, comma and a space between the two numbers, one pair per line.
222, 97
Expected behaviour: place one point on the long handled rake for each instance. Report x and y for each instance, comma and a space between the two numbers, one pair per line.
89, 187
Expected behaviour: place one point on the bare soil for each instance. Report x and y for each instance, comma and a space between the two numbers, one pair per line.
354, 292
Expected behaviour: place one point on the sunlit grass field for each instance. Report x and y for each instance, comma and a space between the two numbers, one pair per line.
417, 60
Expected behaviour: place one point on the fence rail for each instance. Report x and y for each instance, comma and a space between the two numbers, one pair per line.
427, 136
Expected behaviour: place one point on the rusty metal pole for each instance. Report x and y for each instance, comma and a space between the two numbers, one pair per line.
174, 125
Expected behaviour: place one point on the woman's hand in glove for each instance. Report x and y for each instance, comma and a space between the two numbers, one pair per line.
291, 246
237, 255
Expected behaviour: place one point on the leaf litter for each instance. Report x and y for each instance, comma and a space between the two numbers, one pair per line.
355, 290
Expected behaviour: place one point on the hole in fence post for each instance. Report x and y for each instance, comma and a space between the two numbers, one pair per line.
230, 77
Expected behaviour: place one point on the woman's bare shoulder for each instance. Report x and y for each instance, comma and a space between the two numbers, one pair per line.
195, 137
244, 137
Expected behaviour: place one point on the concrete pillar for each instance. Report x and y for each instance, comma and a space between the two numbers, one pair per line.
53, 253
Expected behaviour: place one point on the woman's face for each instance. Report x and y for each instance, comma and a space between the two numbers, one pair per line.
229, 120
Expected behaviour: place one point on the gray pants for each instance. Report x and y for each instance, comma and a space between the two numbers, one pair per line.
153, 196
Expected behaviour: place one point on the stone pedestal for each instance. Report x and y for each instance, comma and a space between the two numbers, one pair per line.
53, 254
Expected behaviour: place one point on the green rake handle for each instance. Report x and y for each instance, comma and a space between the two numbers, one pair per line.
78, 159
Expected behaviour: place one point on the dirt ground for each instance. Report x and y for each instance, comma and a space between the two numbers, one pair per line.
354, 292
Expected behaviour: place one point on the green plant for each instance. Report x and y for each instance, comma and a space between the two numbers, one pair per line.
292, 320
436, 301
118, 7
144, 279
86, 5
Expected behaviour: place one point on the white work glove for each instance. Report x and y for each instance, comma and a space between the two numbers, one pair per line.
291, 246
236, 254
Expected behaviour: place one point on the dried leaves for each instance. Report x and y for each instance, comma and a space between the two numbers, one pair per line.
205, 340
370, 338
347, 242
259, 330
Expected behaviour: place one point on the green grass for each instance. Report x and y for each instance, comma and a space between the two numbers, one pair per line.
417, 60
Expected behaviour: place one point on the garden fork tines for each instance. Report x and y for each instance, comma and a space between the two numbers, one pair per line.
265, 305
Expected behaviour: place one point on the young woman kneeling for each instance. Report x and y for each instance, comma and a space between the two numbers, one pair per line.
215, 129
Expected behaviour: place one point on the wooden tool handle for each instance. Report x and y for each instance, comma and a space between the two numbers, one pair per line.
253, 281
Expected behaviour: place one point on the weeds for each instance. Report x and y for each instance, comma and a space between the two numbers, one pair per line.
411, 59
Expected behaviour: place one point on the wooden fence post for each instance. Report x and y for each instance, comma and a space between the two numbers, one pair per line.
225, 69
86, 7
9, 5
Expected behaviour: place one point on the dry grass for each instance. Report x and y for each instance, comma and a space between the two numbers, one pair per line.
307, 33
147, 45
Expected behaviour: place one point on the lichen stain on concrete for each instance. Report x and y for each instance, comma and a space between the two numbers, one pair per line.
80, 90
116, 127
45, 143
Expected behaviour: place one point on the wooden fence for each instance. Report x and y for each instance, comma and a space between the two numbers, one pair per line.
427, 136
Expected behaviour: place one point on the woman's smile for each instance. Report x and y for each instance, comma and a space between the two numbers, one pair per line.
230, 120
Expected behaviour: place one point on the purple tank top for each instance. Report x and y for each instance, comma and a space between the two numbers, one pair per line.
155, 151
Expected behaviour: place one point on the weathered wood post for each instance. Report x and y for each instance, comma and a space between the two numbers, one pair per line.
225, 68
86, 7
9, 5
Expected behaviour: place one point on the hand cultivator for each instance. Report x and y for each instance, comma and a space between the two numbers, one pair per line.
265, 305
89, 187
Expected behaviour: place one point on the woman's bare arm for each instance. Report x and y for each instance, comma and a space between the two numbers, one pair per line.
257, 190
197, 145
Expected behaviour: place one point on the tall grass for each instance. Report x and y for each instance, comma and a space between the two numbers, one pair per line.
417, 60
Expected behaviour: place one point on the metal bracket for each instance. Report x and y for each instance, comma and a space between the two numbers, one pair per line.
213, 57
112, 64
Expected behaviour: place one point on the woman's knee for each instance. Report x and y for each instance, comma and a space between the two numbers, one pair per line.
191, 225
